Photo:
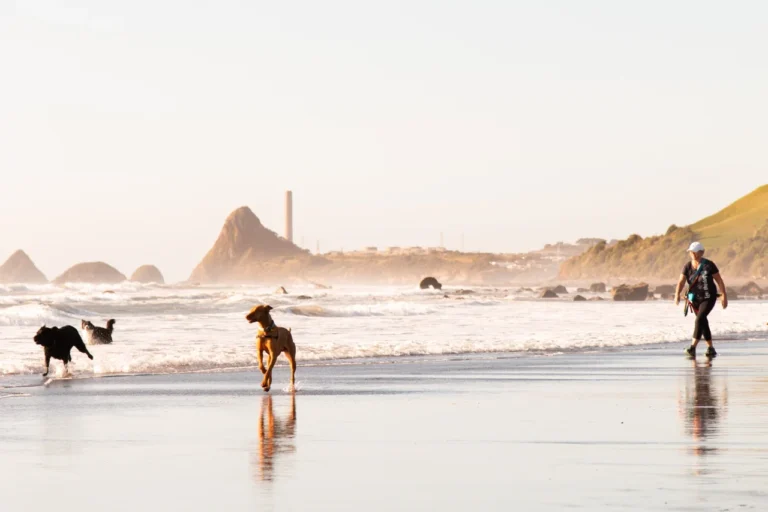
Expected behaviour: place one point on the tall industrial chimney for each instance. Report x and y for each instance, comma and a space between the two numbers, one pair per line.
289, 215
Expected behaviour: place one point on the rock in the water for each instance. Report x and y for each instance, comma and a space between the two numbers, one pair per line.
595, 298
579, 298
304, 297
148, 274
582, 290
547, 294
597, 287
430, 282
732, 294
19, 269
665, 289
633, 292
524, 290
280, 291
559, 289
94, 272
464, 292
751, 289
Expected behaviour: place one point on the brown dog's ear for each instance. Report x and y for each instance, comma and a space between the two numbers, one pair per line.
268, 308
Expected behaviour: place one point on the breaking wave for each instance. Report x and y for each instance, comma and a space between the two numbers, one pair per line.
171, 329
39, 314
362, 310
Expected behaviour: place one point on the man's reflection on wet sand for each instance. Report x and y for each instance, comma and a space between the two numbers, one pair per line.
703, 408
275, 437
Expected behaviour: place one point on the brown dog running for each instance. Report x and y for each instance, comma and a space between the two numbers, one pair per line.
274, 340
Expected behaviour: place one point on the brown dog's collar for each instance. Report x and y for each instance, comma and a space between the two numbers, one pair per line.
272, 327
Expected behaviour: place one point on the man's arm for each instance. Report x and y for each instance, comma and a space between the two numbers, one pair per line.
679, 288
721, 285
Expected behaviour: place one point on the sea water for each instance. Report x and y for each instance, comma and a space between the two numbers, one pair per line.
181, 328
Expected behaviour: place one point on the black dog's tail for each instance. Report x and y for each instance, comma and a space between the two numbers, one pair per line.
110, 325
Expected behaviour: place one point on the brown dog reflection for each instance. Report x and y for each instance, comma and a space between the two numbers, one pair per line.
275, 437
703, 408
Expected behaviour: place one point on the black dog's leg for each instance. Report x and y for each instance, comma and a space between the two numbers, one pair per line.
47, 362
79, 345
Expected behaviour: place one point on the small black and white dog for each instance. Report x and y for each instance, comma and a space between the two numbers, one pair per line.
58, 343
98, 335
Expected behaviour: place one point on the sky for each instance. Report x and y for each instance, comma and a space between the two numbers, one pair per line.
130, 130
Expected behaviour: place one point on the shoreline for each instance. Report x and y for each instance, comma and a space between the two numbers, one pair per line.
737, 339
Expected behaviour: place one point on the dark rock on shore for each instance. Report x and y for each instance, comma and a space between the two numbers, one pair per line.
597, 287
430, 282
579, 298
751, 289
547, 294
634, 292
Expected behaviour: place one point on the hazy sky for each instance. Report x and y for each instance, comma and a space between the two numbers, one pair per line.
130, 129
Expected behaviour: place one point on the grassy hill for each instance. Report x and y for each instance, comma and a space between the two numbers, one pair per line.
736, 239
738, 221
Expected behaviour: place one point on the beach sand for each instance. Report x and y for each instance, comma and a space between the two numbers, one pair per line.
621, 430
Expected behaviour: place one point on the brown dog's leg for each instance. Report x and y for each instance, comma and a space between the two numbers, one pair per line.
266, 382
290, 355
260, 354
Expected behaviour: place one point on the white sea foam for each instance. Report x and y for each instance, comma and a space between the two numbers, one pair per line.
380, 309
167, 329
37, 314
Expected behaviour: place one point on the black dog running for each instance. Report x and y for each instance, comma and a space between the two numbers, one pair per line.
58, 343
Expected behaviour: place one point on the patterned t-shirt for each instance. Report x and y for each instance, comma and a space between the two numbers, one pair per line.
705, 288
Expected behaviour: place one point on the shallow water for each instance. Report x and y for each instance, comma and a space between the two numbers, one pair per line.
168, 329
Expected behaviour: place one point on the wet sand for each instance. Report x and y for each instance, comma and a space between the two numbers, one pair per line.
624, 430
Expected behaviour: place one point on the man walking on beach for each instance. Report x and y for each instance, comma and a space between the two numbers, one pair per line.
701, 276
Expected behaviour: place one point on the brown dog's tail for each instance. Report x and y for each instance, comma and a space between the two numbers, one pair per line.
110, 325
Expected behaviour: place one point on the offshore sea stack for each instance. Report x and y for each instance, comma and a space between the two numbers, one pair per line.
19, 269
148, 274
246, 251
96, 272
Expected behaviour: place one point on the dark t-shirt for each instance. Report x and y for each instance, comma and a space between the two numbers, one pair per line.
705, 288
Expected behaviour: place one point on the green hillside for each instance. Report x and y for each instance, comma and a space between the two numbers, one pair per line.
738, 221
736, 238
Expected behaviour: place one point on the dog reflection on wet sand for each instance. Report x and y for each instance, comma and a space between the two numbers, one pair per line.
275, 437
703, 408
